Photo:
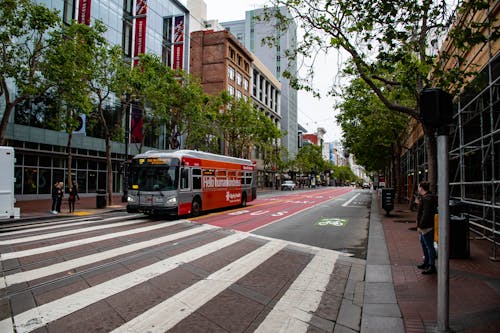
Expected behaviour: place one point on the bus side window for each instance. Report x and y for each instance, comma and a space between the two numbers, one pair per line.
196, 179
184, 178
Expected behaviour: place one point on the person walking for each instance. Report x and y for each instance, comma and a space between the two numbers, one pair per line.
55, 190
60, 195
425, 226
73, 195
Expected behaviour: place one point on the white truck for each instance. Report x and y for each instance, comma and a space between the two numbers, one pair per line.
7, 199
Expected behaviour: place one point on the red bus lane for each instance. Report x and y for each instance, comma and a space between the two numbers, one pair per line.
267, 210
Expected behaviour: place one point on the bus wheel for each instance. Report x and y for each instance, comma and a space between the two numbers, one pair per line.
244, 200
196, 207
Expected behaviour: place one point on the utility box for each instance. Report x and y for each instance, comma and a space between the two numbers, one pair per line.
388, 199
7, 199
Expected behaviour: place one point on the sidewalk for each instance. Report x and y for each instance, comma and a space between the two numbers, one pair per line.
33, 209
474, 283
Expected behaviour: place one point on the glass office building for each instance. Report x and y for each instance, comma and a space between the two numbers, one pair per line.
138, 26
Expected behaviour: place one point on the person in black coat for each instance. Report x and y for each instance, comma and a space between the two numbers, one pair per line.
73, 195
55, 190
60, 195
427, 205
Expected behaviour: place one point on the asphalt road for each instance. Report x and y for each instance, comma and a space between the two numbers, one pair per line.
269, 268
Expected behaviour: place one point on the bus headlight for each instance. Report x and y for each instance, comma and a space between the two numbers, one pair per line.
130, 199
172, 201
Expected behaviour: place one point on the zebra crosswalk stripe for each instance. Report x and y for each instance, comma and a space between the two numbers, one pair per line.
189, 300
46, 313
83, 241
96, 257
294, 310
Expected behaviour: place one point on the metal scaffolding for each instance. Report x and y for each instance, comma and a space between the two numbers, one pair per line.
475, 154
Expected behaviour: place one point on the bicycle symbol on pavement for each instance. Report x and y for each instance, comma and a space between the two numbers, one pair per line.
331, 221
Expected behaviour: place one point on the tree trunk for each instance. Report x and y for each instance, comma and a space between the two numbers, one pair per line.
430, 145
5, 120
70, 158
109, 169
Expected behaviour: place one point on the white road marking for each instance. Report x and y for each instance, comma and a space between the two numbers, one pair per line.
96, 257
46, 313
56, 247
66, 232
345, 204
189, 300
67, 223
294, 310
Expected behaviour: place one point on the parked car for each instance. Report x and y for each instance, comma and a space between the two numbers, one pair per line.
288, 185
366, 185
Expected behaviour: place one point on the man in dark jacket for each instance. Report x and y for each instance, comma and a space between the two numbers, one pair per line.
425, 226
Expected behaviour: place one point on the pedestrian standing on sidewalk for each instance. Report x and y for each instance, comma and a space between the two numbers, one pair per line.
73, 195
60, 195
425, 227
55, 190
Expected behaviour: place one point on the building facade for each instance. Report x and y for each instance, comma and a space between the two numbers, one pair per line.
251, 32
474, 140
155, 27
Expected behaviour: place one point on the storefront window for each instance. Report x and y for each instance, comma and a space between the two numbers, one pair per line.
30, 181
44, 183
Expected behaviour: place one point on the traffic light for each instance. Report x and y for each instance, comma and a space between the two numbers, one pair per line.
435, 107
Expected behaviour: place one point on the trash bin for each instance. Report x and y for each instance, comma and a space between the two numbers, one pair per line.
100, 199
388, 199
459, 237
457, 207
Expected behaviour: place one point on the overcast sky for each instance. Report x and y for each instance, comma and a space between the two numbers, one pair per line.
312, 113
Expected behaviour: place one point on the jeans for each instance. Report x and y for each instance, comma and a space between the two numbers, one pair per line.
427, 242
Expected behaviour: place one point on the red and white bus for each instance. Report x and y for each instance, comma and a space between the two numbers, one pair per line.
181, 182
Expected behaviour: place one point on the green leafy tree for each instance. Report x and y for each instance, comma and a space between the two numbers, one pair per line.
390, 43
310, 160
70, 68
106, 63
24, 39
371, 132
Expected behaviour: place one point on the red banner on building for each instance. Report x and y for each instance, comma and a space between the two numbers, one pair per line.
84, 12
178, 42
141, 8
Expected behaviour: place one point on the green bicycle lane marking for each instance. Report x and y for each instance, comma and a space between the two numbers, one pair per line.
331, 221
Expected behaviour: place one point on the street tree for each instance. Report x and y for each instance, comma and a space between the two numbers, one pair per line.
24, 39
371, 132
69, 69
309, 160
393, 43
106, 62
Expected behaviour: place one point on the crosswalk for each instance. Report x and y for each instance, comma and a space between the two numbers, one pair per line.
140, 275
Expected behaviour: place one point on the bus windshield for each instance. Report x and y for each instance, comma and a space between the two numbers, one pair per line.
154, 178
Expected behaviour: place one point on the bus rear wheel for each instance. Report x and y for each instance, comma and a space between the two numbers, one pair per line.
196, 207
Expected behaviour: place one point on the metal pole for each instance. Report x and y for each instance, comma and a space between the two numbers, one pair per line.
443, 301
127, 139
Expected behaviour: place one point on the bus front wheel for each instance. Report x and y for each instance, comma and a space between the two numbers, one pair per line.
196, 207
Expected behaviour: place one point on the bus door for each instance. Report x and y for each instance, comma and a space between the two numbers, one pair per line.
185, 194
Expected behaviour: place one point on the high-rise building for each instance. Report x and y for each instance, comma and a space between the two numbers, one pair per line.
139, 26
251, 32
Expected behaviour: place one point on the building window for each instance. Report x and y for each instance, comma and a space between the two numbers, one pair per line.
167, 41
230, 72
245, 84
230, 89
127, 38
238, 94
69, 11
239, 79
232, 54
